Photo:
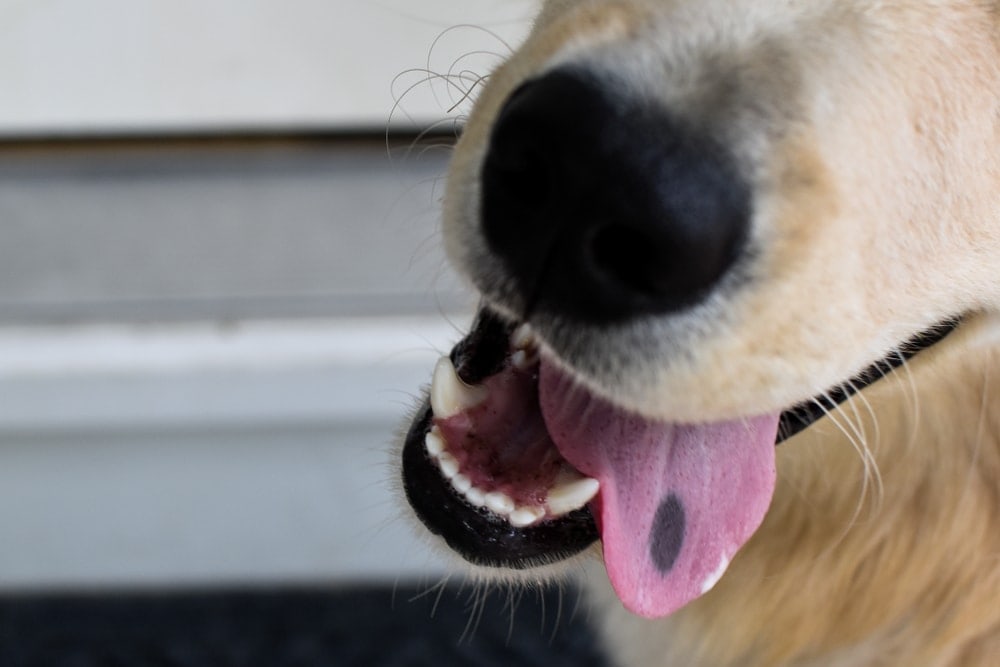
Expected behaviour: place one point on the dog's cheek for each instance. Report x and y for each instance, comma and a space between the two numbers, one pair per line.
798, 321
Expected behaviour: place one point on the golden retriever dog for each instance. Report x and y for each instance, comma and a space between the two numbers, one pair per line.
739, 343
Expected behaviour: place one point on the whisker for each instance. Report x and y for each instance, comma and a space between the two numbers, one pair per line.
904, 371
513, 600
447, 32
479, 81
438, 589
868, 452
980, 437
475, 77
560, 594
477, 602
428, 77
851, 438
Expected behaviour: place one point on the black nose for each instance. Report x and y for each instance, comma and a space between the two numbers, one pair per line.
604, 208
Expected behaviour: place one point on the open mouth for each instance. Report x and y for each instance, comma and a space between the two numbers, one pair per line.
515, 465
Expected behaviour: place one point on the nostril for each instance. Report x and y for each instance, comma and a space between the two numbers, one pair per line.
518, 173
626, 256
669, 257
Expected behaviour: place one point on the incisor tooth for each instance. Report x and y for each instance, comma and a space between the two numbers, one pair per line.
449, 395
500, 503
568, 496
434, 443
461, 483
525, 516
476, 497
448, 465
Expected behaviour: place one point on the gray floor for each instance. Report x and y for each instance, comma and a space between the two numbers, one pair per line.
205, 351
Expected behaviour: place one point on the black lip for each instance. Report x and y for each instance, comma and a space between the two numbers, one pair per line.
801, 416
483, 538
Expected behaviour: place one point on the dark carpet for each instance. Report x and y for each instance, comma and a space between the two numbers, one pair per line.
364, 626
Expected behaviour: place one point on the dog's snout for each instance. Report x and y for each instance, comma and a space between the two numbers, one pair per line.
604, 208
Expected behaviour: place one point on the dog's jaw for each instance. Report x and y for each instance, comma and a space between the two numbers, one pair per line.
513, 457
511, 461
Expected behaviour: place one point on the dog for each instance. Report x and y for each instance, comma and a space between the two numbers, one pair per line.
739, 339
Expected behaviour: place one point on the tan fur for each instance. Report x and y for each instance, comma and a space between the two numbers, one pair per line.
872, 134
854, 570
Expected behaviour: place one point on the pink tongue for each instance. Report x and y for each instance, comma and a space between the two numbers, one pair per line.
676, 501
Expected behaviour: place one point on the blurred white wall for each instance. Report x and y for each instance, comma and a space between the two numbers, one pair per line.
206, 349
114, 66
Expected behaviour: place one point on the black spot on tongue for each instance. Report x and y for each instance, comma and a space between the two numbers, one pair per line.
667, 536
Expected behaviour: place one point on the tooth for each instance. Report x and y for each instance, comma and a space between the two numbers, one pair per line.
500, 503
525, 516
449, 395
461, 483
476, 496
565, 497
712, 579
448, 465
523, 359
434, 443
523, 336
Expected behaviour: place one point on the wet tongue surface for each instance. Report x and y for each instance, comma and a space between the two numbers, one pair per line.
676, 501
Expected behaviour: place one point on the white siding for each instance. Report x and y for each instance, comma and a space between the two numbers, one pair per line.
120, 66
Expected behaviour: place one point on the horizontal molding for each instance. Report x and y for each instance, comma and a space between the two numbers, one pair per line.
221, 231
190, 376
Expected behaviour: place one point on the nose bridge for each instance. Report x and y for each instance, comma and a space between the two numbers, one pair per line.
562, 30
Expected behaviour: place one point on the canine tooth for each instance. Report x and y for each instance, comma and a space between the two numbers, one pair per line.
525, 516
449, 395
448, 465
434, 443
476, 496
461, 483
499, 503
565, 497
